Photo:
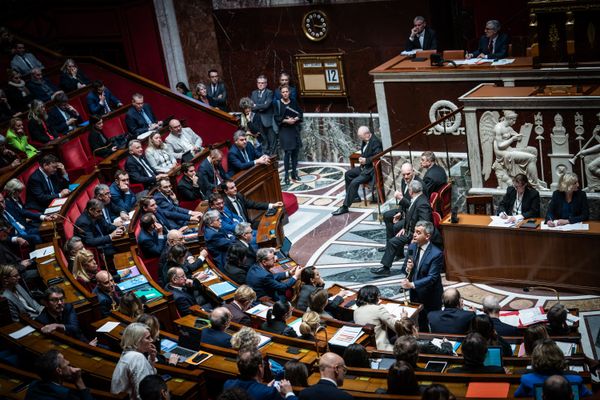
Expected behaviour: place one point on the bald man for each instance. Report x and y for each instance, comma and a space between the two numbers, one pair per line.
220, 318
332, 370
556, 387
184, 142
365, 172
452, 319
108, 298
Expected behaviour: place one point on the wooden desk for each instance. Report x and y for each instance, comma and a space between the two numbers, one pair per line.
475, 252
270, 230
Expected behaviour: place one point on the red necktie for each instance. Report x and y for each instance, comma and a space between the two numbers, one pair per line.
46, 131
491, 46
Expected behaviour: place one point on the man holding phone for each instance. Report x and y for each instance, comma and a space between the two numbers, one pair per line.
95, 231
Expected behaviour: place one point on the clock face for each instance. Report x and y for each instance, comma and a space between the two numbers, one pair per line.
315, 25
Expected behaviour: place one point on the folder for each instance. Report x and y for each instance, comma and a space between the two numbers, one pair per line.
488, 390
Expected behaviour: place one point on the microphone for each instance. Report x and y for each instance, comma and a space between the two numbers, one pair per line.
530, 288
71, 222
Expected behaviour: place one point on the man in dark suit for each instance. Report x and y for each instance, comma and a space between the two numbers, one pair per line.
100, 100
418, 210
138, 167
452, 319
238, 204
120, 193
140, 118
54, 369
169, 205
149, 205
266, 283
393, 218
216, 92
151, 239
423, 272
211, 172
63, 118
25, 222
220, 318
41, 88
111, 210
229, 220
95, 231
106, 290
47, 183
491, 306
243, 235
421, 36
217, 240
243, 298
493, 44
333, 370
364, 173
263, 106
435, 176
177, 285
188, 186
58, 316
242, 155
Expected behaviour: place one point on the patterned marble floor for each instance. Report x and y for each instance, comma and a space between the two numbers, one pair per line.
344, 248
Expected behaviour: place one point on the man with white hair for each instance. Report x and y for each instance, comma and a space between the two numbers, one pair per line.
491, 306
184, 142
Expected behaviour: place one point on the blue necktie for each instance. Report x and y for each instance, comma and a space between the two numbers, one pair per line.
146, 118
20, 229
50, 186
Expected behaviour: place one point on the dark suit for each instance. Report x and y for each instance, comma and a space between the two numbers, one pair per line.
183, 299
324, 390
388, 217
237, 162
150, 244
216, 338
265, 283
138, 174
434, 179
364, 173
235, 273
187, 191
419, 211
57, 122
237, 315
245, 204
250, 252
263, 106
558, 207
40, 390
429, 41
530, 206
98, 140
256, 390
93, 102
124, 201
213, 94
217, 244
136, 123
68, 318
105, 301
180, 216
95, 233
21, 215
450, 320
42, 90
500, 49
208, 178
504, 329
68, 83
39, 194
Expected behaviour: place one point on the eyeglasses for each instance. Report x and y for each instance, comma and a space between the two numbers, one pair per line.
344, 368
56, 300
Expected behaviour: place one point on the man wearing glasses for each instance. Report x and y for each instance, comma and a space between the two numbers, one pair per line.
216, 93
332, 370
58, 316
493, 44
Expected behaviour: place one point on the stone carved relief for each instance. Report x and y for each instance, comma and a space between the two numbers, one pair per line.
440, 109
590, 155
560, 151
496, 136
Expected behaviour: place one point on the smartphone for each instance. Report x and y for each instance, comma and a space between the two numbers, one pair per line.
166, 377
199, 358
436, 366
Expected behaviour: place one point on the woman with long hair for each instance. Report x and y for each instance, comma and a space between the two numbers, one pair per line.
85, 269
276, 319
159, 154
39, 131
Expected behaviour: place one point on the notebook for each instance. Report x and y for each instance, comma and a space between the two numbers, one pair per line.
486, 390
129, 284
222, 288
147, 292
493, 357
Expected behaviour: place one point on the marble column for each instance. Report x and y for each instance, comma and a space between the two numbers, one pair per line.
384, 124
171, 43
473, 146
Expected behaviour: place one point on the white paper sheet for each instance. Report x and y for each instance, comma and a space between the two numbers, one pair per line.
43, 252
580, 226
346, 335
107, 327
503, 61
499, 222
22, 332
396, 309
510, 320
259, 310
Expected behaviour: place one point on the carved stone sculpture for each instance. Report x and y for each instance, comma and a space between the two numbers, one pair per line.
591, 158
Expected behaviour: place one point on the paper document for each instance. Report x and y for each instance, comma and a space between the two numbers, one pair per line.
346, 335
52, 210
580, 226
438, 343
145, 135
259, 310
43, 252
107, 327
263, 340
58, 202
22, 332
409, 52
500, 222
511, 319
504, 61
397, 309
530, 316
566, 347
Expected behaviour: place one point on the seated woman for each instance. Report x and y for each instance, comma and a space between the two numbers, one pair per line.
19, 299
483, 325
17, 139
569, 205
520, 199
356, 356
159, 155
548, 359
474, 349
202, 94
276, 319
235, 263
244, 338
183, 89
39, 131
407, 327
369, 311
311, 280
531, 336
297, 373
402, 379
310, 325
17, 93
85, 269
99, 143
131, 306
557, 321
71, 77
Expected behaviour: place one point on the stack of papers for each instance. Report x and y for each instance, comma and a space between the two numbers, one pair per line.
259, 310
523, 318
43, 252
109, 326
499, 222
580, 226
345, 336
396, 309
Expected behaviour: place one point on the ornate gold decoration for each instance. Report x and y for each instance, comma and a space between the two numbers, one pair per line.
553, 37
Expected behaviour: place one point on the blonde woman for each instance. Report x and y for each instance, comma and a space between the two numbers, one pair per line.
39, 131
310, 325
569, 205
19, 299
202, 94
85, 269
159, 155
245, 337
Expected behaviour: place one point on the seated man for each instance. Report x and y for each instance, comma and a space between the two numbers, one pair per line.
154, 387
63, 118
151, 240
266, 283
167, 202
435, 176
243, 298
120, 193
217, 240
211, 172
242, 155
190, 264
184, 142
406, 348
491, 306
95, 231
188, 187
229, 220
8, 158
251, 367
244, 236
421, 36
112, 213
50, 181
332, 370
54, 369
238, 204
220, 318
371, 145
178, 285
106, 290
58, 316
452, 319
100, 100
474, 349
149, 205
41, 88
493, 44
557, 387
140, 118
138, 167
23, 61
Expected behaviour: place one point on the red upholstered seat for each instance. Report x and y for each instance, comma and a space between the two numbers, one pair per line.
290, 202
81, 201
113, 127
24, 177
150, 266
446, 199
78, 104
72, 216
90, 188
76, 161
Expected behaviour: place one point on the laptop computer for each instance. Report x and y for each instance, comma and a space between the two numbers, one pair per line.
493, 356
132, 283
284, 251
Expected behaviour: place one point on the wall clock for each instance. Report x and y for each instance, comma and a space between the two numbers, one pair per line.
315, 25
